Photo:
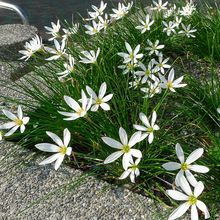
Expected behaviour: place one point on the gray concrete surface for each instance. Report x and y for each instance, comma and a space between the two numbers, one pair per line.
30, 182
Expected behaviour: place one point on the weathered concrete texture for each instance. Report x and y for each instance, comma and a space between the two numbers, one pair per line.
13, 38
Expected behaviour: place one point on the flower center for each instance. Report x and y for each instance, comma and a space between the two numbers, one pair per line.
147, 72
187, 31
94, 30
169, 84
153, 90
160, 64
80, 111
184, 166
18, 122
130, 66
98, 101
126, 149
154, 48
146, 26
192, 200
133, 167
150, 129
62, 150
169, 28
159, 7
132, 56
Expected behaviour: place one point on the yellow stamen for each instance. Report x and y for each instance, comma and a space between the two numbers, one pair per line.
126, 149
80, 111
169, 84
184, 166
98, 101
147, 72
192, 200
160, 64
154, 48
62, 150
150, 129
18, 122
146, 26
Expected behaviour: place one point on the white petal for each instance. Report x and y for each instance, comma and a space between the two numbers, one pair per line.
151, 138
12, 131
10, 115
50, 159
177, 195
136, 153
140, 127
179, 153
95, 108
91, 92
72, 103
192, 180
194, 155
154, 117
68, 151
22, 128
59, 161
171, 75
203, 208
107, 98
7, 125
55, 138
112, 143
84, 100
112, 157
134, 139
105, 106
125, 174
177, 179
179, 211
126, 159
66, 137
199, 168
20, 113
25, 120
132, 177
102, 90
123, 136
171, 166
194, 213
47, 147
198, 189
144, 119
128, 47
185, 185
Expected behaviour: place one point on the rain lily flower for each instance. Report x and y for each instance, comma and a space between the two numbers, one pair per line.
159, 5
61, 148
78, 111
188, 10
99, 100
145, 25
68, 68
70, 31
59, 51
146, 72
120, 12
132, 55
150, 128
125, 148
170, 84
190, 198
169, 28
153, 88
161, 64
185, 166
135, 83
17, 122
35, 45
54, 31
91, 56
100, 9
132, 170
128, 67
154, 47
187, 31
104, 21
178, 21
95, 29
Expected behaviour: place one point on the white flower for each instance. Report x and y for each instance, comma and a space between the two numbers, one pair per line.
178, 21
169, 28
95, 29
161, 64
17, 122
218, 110
70, 31
190, 198
69, 68
150, 128
170, 84
135, 83
153, 88
91, 56
120, 12
62, 149
145, 25
35, 45
132, 171
187, 31
54, 31
154, 47
124, 148
99, 100
59, 51
188, 10
100, 9
159, 5
78, 111
128, 67
146, 72
185, 166
132, 55
104, 22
